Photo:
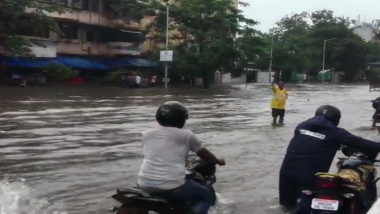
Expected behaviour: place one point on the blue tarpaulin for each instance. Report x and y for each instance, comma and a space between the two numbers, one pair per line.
141, 62
115, 62
80, 63
27, 62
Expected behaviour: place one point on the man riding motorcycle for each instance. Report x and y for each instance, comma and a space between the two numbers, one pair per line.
165, 150
376, 106
312, 150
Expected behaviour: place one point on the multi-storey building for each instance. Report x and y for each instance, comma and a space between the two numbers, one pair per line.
90, 29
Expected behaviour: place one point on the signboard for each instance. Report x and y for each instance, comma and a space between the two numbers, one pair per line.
166, 56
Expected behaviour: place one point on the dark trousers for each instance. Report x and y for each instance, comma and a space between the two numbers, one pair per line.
290, 189
193, 191
278, 113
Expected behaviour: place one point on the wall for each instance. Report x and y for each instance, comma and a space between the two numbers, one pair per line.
47, 49
227, 79
263, 77
365, 32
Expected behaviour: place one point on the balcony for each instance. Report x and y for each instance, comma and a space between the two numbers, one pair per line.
123, 48
85, 48
97, 49
94, 18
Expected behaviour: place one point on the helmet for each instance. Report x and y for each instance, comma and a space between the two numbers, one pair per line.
172, 114
376, 103
331, 113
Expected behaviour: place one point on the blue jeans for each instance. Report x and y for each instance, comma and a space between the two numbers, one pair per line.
193, 191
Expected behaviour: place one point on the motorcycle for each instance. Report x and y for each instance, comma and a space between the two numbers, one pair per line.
376, 116
352, 190
376, 122
137, 201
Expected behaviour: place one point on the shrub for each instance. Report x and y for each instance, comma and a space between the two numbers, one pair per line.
58, 72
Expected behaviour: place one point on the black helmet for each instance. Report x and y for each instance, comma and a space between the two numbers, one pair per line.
376, 103
172, 114
331, 113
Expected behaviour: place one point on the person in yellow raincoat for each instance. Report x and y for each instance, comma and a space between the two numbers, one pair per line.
280, 95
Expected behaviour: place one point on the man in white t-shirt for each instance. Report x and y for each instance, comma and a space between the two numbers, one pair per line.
165, 151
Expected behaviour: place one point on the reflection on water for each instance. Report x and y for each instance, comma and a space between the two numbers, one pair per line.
75, 146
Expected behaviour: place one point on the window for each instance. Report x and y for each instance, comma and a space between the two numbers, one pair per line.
120, 36
69, 31
62, 2
93, 5
77, 4
90, 36
29, 28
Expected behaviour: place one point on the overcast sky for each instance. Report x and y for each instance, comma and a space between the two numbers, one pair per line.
267, 12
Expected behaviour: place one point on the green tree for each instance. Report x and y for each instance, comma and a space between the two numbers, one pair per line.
205, 39
299, 45
21, 14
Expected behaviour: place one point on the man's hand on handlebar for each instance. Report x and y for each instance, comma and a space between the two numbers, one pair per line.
221, 162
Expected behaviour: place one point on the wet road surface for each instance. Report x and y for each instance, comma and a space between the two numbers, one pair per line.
73, 147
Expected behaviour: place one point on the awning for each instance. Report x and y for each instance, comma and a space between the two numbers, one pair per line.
115, 62
126, 62
27, 62
80, 63
141, 62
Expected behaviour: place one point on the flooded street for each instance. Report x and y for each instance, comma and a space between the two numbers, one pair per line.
75, 146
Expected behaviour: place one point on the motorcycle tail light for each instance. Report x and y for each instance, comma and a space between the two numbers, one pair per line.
326, 197
327, 184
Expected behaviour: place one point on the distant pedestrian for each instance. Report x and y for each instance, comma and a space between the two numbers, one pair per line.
137, 81
280, 95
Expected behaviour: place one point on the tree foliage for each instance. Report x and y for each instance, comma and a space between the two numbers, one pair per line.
58, 72
299, 41
21, 14
205, 37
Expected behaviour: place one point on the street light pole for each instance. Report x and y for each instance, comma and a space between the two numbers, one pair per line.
324, 58
167, 42
271, 60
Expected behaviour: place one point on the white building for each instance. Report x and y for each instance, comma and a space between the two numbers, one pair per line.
365, 31
368, 31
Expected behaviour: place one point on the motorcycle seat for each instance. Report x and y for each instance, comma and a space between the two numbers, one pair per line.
327, 175
134, 190
141, 194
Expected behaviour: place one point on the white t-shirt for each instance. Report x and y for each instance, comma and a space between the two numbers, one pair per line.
138, 79
165, 153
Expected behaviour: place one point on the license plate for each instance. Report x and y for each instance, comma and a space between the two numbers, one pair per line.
324, 204
377, 124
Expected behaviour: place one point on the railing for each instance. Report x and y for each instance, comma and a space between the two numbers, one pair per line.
375, 209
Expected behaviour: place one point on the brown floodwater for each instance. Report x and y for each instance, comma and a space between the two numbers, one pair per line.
68, 149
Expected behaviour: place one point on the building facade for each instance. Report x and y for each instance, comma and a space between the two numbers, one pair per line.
368, 31
91, 29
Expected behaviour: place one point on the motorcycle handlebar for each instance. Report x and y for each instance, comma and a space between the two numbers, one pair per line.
375, 161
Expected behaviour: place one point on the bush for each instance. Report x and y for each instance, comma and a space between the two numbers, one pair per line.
116, 76
58, 72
